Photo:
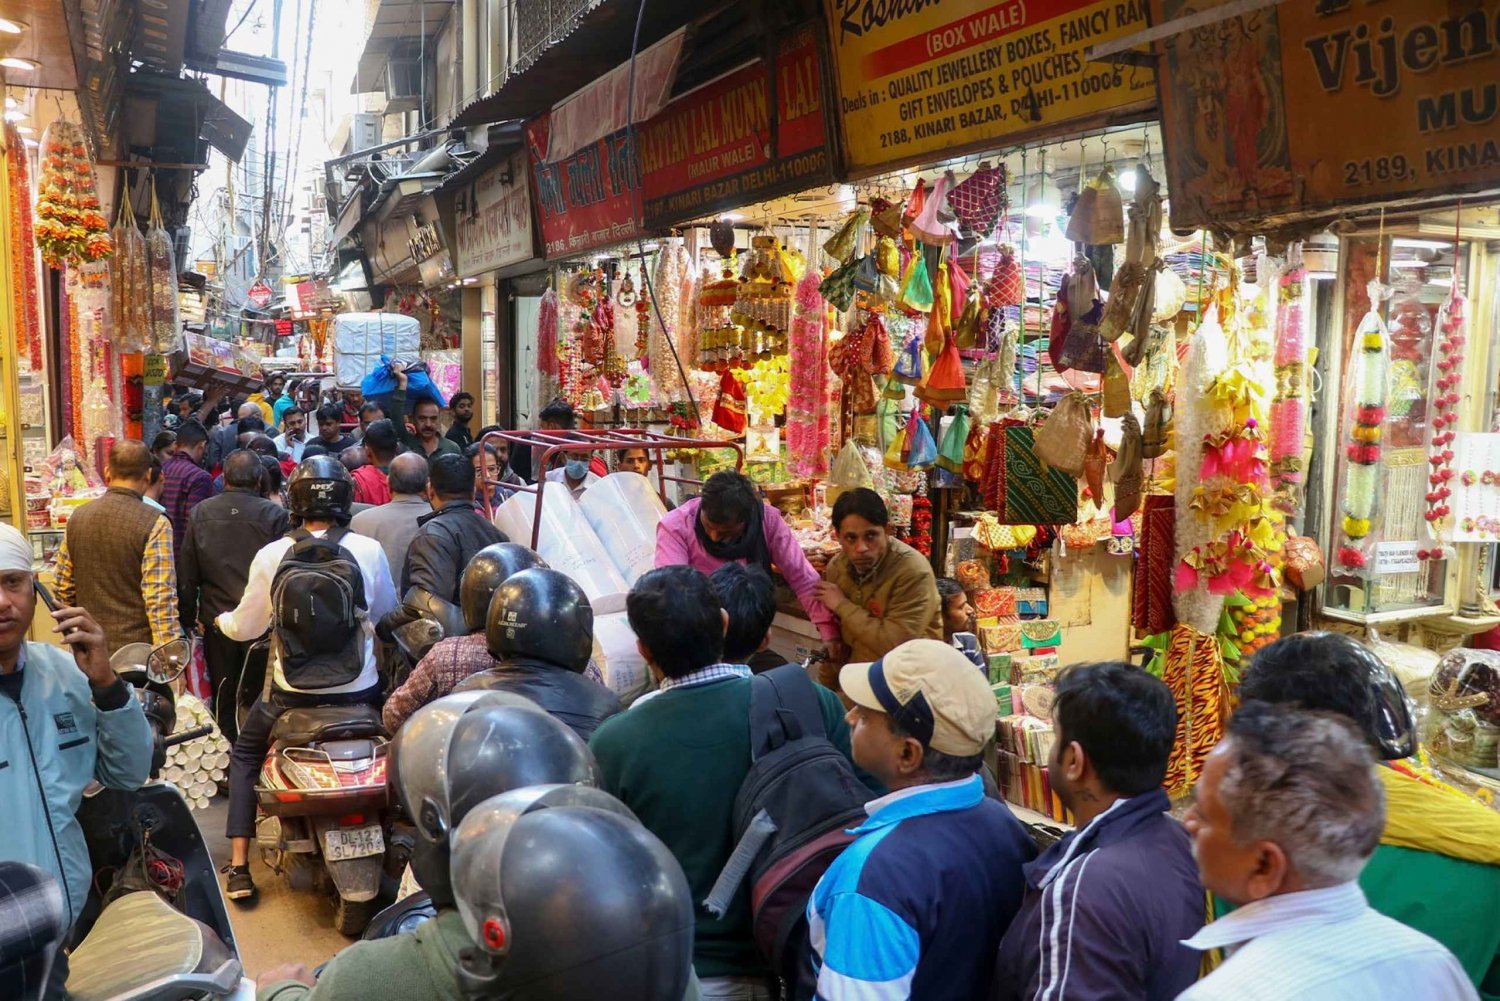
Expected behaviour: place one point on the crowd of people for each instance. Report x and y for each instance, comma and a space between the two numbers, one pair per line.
1315, 862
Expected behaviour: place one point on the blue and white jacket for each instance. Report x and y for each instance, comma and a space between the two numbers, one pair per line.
1106, 912
73, 741
916, 906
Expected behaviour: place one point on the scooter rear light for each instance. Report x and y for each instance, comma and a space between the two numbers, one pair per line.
289, 797
352, 820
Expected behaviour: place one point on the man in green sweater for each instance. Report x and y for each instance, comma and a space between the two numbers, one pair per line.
678, 759
1437, 868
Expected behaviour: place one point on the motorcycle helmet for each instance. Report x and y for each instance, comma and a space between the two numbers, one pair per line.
563, 890
1331, 672
543, 615
491, 567
321, 488
461, 749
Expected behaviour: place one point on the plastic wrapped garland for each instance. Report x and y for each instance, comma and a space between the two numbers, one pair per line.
1289, 407
1369, 391
161, 266
129, 286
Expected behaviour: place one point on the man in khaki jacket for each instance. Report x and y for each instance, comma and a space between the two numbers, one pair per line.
882, 591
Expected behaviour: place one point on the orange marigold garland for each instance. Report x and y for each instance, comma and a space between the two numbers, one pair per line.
70, 229
23, 264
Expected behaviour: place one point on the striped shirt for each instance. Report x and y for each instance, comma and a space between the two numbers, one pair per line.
1324, 945
915, 907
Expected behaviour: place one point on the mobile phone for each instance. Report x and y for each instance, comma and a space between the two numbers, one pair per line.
46, 596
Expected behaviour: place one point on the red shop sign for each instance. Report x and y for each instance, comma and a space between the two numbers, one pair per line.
585, 201
711, 150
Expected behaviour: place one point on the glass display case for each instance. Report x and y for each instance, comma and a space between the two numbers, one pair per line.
1385, 560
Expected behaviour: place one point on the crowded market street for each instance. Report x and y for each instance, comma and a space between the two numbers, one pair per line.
831, 499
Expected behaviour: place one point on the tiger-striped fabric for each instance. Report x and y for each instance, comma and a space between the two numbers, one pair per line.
1194, 671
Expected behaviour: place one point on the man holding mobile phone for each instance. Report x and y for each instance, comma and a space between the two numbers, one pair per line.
65, 721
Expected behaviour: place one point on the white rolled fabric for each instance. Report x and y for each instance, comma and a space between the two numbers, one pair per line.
625, 671
567, 542
624, 509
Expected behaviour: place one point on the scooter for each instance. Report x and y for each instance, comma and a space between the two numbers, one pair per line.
156, 924
322, 793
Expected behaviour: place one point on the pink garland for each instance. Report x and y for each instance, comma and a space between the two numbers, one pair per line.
807, 416
546, 336
1289, 408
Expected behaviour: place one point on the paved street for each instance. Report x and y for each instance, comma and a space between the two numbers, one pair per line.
282, 926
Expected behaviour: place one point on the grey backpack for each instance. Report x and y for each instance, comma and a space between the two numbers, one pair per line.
792, 815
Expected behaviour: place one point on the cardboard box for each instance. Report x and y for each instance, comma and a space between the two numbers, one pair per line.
202, 362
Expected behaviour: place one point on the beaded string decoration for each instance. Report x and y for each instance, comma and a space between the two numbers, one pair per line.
546, 335
1369, 391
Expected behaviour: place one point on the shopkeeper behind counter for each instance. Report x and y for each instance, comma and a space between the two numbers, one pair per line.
728, 522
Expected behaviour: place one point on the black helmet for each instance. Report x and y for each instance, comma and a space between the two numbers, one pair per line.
1331, 672
461, 749
490, 568
563, 891
320, 488
542, 615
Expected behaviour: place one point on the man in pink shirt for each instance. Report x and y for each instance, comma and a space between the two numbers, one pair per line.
728, 522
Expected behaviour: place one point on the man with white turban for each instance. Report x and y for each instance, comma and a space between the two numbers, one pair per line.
65, 720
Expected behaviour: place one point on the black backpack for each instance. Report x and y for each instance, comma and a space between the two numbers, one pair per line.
317, 597
792, 813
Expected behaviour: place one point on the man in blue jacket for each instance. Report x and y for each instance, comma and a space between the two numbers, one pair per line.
65, 720
916, 905
1108, 906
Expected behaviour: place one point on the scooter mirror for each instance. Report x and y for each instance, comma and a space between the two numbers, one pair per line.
168, 661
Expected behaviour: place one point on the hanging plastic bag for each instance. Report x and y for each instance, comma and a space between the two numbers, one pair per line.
937, 225
916, 286
970, 325
849, 471
129, 285
979, 200
922, 451
841, 245
1098, 217
161, 268
951, 451
1063, 439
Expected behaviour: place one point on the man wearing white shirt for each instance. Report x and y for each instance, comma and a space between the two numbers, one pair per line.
575, 474
295, 439
319, 494
1286, 814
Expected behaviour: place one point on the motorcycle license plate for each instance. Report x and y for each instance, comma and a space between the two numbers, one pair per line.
355, 842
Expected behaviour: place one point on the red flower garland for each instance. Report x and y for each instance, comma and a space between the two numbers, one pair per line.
23, 240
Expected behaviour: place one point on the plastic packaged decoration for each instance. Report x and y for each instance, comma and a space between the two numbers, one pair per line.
1369, 392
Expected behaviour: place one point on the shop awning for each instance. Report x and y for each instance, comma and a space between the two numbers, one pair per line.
580, 50
599, 109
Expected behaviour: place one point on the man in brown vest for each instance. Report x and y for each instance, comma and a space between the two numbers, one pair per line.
116, 556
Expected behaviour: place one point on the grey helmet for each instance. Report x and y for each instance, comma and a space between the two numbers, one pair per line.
566, 894
465, 748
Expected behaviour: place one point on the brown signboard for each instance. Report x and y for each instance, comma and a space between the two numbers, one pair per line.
1303, 108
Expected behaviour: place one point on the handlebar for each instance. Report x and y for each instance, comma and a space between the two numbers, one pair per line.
187, 735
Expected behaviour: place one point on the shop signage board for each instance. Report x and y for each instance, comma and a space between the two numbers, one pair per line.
919, 78
259, 294
493, 219
1303, 108
588, 199
711, 149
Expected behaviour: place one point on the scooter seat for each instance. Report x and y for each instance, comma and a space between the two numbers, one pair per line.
142, 947
300, 727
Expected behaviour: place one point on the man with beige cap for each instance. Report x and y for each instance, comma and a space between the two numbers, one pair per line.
913, 907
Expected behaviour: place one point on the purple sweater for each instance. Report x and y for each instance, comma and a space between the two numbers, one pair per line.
677, 543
